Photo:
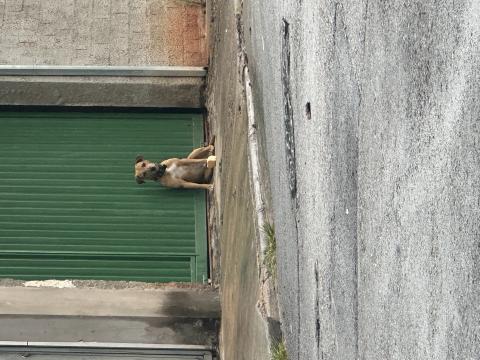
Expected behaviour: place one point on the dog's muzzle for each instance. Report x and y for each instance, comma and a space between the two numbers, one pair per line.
152, 174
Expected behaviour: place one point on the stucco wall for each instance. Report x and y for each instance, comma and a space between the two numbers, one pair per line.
102, 32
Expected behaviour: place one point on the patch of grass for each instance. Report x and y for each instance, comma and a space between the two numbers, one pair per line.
270, 255
279, 352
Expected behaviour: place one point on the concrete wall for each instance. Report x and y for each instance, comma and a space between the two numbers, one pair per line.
102, 32
131, 315
164, 92
380, 242
105, 32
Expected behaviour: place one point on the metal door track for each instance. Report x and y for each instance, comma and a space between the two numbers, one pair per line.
140, 71
104, 350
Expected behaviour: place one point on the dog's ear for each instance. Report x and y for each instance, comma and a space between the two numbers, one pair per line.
138, 159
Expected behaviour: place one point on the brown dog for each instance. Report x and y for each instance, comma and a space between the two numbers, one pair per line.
189, 173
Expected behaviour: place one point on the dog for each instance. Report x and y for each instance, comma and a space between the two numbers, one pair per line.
193, 172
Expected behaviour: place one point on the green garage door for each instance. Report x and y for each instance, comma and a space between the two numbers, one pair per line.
71, 209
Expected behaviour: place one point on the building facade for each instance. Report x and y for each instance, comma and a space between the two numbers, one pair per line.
84, 87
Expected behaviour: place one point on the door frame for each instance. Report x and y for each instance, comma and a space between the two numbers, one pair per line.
200, 264
24, 348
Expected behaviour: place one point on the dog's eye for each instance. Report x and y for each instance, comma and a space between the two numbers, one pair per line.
143, 164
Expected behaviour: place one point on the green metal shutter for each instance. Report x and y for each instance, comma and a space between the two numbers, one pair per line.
70, 207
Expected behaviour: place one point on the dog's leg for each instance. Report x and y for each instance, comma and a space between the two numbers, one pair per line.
207, 176
192, 161
190, 185
201, 153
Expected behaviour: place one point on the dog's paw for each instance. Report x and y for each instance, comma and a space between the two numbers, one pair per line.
211, 161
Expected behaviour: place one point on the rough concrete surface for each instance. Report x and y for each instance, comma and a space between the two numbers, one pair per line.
165, 92
141, 330
102, 32
371, 115
106, 284
243, 332
182, 303
156, 316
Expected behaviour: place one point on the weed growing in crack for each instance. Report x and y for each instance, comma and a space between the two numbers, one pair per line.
270, 255
279, 352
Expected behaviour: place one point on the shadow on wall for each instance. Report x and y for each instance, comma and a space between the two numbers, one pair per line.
187, 318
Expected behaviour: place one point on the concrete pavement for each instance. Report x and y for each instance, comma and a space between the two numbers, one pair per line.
244, 329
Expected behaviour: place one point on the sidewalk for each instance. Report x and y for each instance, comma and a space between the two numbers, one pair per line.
244, 330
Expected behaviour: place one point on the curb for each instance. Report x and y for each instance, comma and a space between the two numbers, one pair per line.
266, 306
254, 165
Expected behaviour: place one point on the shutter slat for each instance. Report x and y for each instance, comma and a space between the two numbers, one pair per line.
71, 209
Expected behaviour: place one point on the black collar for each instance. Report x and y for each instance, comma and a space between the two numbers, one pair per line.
160, 172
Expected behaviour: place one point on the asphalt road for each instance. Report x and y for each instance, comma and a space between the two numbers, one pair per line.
371, 116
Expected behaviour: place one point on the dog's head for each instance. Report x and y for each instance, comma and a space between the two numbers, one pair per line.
147, 170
